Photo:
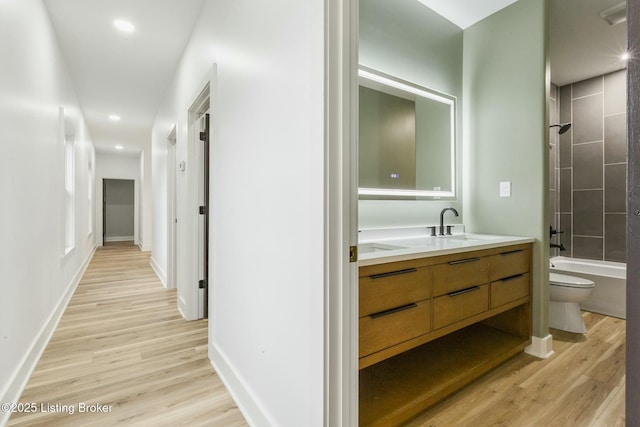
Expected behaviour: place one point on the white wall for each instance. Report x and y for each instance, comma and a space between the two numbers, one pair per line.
114, 165
267, 225
159, 190
145, 215
36, 278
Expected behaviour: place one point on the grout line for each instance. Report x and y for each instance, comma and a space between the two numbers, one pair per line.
585, 96
588, 142
571, 176
604, 199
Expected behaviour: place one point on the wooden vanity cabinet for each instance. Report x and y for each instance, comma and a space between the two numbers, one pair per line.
460, 289
430, 326
394, 305
510, 276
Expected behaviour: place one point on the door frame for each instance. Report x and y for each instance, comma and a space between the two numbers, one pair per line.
191, 298
172, 210
633, 220
341, 232
100, 223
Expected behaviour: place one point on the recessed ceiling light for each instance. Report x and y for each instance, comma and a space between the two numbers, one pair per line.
625, 56
124, 26
114, 117
119, 147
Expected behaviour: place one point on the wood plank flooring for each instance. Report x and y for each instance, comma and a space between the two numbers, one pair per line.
122, 343
581, 386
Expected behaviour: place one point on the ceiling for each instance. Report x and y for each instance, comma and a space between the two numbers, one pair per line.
465, 13
119, 73
581, 43
127, 74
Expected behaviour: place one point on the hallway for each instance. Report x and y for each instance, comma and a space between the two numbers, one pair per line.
122, 344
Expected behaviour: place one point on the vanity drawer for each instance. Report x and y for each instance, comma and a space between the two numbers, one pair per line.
509, 289
385, 329
459, 305
460, 274
510, 263
379, 292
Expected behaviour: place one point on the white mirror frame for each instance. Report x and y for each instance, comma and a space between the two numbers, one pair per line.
376, 76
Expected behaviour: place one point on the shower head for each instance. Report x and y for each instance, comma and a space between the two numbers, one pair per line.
563, 127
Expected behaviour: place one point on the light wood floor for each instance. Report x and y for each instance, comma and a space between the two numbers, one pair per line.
122, 342
581, 386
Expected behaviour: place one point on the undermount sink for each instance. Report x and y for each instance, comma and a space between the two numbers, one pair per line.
458, 237
469, 237
367, 248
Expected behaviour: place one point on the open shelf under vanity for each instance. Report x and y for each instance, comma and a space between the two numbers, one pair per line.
399, 388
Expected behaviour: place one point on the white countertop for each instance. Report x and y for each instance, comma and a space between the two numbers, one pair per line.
391, 249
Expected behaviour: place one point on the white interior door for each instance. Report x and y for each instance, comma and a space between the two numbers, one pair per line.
202, 161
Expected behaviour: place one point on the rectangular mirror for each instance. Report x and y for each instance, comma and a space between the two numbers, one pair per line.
406, 139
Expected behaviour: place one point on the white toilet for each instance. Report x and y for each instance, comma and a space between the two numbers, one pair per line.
566, 292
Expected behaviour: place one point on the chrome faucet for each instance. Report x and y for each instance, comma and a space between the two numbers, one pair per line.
441, 233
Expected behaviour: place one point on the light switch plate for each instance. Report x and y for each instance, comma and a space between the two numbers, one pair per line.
505, 189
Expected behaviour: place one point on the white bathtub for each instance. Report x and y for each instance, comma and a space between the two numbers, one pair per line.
610, 294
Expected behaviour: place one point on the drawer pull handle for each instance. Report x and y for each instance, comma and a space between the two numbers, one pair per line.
463, 291
512, 252
464, 261
393, 273
506, 279
393, 310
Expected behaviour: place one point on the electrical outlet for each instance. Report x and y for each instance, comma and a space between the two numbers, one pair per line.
505, 189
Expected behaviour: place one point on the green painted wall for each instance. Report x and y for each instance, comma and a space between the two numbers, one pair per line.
505, 134
404, 38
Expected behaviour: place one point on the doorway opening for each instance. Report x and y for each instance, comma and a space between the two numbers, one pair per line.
118, 210
191, 237
203, 210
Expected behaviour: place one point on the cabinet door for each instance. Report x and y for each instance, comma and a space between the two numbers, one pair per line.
459, 305
382, 330
510, 263
393, 288
460, 274
509, 289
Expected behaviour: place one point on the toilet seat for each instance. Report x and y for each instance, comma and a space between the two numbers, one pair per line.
570, 281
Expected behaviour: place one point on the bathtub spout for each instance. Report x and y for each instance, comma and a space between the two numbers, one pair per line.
560, 246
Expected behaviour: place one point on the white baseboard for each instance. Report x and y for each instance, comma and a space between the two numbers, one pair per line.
541, 347
118, 238
143, 247
159, 271
39, 344
181, 307
240, 394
